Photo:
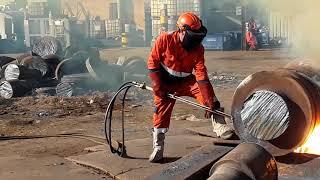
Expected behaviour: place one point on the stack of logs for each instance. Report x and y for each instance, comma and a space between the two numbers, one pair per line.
50, 70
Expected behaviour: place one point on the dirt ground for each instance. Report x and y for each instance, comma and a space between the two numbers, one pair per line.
43, 158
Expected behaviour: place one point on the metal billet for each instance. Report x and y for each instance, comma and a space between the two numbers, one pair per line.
247, 161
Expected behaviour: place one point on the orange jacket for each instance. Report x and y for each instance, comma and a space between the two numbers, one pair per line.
169, 53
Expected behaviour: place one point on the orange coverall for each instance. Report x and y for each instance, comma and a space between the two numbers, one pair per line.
251, 40
177, 64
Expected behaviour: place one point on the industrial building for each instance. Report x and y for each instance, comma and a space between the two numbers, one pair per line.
138, 22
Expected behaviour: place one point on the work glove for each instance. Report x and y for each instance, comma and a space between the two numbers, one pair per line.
157, 85
209, 97
214, 106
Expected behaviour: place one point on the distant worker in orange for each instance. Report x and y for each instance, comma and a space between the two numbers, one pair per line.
251, 37
173, 58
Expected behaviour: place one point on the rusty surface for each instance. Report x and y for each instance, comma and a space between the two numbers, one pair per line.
305, 67
301, 97
246, 161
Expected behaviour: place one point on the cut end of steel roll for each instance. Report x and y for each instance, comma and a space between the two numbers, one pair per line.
275, 109
12, 72
265, 115
6, 90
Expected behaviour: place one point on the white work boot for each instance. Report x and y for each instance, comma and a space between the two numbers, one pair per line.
158, 144
222, 130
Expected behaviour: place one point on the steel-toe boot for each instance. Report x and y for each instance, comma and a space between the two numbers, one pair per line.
222, 130
158, 145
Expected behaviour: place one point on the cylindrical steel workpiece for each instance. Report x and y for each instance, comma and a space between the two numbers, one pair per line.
247, 161
307, 68
276, 109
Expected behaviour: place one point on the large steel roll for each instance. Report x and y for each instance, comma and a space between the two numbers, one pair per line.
247, 161
47, 46
76, 64
37, 63
307, 68
276, 109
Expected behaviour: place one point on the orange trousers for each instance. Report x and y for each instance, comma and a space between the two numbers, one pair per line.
251, 40
163, 110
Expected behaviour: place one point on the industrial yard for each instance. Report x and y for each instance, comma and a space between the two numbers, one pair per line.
159, 89
46, 116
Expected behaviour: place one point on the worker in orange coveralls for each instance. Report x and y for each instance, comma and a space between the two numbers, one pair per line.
251, 34
173, 58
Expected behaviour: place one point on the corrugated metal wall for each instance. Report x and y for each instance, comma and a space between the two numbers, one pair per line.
281, 26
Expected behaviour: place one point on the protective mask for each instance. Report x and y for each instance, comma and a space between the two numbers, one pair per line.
193, 39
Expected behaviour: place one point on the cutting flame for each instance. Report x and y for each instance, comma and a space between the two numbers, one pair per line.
312, 145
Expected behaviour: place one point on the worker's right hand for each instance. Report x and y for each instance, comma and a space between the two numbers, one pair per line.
213, 106
157, 86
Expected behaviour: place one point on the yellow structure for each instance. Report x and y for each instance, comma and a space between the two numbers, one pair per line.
124, 40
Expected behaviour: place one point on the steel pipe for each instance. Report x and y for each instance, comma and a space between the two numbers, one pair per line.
247, 161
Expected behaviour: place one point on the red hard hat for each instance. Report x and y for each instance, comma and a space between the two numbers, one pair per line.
189, 19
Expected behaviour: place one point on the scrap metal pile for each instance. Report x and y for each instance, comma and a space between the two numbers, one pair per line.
50, 70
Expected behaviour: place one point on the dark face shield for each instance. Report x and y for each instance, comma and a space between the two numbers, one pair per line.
193, 38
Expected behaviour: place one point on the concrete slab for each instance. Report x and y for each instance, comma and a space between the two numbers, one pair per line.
208, 132
204, 131
137, 166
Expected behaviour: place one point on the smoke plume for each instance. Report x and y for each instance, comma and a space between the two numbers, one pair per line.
305, 26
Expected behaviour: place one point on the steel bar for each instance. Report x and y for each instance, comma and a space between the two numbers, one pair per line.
247, 161
35, 62
74, 65
5, 60
12, 89
19, 72
143, 86
193, 166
